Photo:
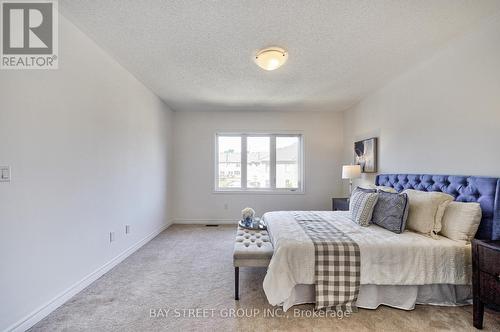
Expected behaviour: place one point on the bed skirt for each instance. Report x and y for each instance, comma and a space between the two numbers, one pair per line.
401, 297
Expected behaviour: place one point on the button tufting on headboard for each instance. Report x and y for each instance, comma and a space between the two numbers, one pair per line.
484, 190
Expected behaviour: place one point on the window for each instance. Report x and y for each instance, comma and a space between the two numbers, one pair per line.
259, 162
229, 162
287, 161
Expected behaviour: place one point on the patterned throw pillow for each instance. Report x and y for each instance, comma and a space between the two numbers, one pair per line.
365, 190
361, 206
375, 187
391, 211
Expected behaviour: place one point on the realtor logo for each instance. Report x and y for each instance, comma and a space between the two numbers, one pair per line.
29, 34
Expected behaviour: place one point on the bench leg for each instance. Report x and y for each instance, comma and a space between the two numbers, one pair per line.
236, 283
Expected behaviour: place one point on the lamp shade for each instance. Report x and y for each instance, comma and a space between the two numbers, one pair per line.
351, 171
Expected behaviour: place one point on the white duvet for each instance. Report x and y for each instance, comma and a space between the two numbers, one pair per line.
386, 258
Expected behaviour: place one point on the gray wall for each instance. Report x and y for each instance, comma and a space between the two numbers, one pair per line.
443, 116
89, 148
195, 201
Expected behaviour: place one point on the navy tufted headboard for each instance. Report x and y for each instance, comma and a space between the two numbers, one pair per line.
484, 190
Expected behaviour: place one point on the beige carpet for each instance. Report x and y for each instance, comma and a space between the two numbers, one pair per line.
189, 267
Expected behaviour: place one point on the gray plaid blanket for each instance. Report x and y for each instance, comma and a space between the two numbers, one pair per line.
337, 262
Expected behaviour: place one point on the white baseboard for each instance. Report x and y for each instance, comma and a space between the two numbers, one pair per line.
43, 311
206, 221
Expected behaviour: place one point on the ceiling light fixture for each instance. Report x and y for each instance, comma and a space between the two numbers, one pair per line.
271, 58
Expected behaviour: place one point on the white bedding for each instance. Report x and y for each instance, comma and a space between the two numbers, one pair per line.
386, 258
400, 297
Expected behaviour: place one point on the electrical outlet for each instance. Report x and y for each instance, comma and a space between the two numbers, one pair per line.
111, 236
4, 173
127, 229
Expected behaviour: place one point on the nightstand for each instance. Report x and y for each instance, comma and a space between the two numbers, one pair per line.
340, 204
485, 277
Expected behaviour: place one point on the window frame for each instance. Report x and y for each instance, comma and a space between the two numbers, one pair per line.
272, 190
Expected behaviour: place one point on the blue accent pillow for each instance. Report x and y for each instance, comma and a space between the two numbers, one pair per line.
391, 211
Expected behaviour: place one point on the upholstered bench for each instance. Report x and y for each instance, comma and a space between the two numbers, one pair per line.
252, 248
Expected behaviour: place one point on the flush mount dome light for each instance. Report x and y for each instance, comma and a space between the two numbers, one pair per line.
271, 58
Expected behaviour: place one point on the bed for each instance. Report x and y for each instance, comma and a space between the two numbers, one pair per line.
398, 270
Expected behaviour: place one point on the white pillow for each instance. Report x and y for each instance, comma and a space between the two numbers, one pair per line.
426, 211
383, 188
461, 221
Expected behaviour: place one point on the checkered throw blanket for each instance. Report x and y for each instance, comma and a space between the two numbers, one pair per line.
337, 262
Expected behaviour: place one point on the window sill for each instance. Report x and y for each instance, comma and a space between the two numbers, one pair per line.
259, 192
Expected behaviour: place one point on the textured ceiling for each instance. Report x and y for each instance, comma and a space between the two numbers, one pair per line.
198, 55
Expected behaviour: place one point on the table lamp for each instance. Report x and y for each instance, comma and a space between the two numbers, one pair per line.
351, 172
